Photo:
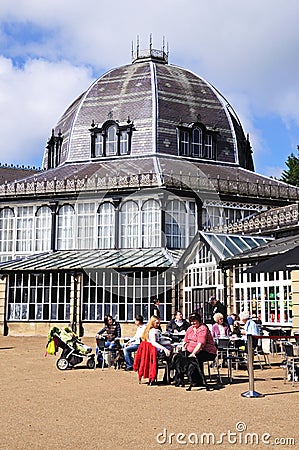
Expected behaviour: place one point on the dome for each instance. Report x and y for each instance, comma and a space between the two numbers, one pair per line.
163, 108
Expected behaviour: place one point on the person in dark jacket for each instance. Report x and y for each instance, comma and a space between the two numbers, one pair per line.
178, 324
218, 307
155, 311
111, 331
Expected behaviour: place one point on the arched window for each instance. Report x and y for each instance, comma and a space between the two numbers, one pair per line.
106, 226
129, 225
25, 220
151, 224
111, 141
196, 143
196, 140
175, 224
6, 230
43, 229
65, 225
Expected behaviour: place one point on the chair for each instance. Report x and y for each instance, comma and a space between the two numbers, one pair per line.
290, 364
260, 352
214, 365
104, 352
296, 337
226, 351
147, 363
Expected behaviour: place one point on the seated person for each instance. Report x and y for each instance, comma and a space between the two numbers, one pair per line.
199, 343
219, 328
178, 324
111, 331
133, 343
250, 327
152, 334
233, 324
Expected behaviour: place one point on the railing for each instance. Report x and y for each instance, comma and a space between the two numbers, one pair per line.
196, 182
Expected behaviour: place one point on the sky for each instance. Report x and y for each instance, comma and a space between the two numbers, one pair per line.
51, 51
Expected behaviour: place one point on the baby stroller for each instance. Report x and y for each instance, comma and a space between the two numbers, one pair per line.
73, 350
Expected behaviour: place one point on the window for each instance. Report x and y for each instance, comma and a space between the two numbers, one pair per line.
175, 224
65, 228
25, 229
151, 224
6, 230
184, 143
129, 216
39, 297
112, 139
99, 145
106, 226
86, 226
196, 141
125, 295
43, 229
208, 146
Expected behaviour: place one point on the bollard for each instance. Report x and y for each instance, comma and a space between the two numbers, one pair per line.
251, 393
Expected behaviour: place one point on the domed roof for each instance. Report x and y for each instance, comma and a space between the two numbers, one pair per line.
156, 99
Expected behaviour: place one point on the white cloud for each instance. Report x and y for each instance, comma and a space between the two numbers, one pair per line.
32, 99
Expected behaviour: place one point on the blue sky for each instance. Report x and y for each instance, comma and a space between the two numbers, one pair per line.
52, 50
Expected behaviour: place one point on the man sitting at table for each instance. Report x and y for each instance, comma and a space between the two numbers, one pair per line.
178, 324
133, 343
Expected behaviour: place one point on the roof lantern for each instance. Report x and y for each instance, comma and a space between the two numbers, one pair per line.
150, 54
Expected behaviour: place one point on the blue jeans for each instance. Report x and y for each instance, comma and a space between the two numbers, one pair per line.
128, 354
111, 346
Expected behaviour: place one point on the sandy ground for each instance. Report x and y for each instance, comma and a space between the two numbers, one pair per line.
44, 408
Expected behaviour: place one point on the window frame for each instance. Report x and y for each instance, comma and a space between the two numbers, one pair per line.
101, 139
204, 146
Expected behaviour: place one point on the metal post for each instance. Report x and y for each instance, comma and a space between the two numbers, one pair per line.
251, 392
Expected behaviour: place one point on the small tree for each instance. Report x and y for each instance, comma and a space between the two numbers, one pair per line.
291, 174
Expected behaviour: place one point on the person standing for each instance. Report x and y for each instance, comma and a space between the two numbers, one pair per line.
218, 307
155, 311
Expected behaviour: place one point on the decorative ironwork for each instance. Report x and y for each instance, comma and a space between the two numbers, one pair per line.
184, 181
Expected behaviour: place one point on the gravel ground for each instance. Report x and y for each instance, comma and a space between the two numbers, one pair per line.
44, 408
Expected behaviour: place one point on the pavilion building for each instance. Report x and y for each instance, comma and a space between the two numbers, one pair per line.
143, 178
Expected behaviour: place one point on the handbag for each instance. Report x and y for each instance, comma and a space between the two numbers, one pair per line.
51, 350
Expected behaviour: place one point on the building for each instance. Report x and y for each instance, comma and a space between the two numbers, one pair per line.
136, 174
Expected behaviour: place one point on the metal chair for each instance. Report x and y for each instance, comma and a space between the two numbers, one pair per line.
260, 352
226, 351
290, 363
105, 352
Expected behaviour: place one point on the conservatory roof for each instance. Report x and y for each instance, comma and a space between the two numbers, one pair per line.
94, 260
229, 245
